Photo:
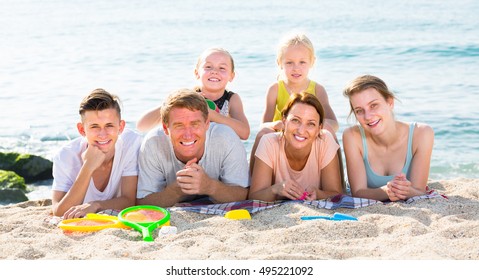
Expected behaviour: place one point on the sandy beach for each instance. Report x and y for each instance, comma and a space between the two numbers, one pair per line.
428, 229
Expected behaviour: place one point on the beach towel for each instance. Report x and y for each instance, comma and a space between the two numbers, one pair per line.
253, 206
430, 193
205, 206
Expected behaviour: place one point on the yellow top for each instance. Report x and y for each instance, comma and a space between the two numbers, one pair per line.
283, 97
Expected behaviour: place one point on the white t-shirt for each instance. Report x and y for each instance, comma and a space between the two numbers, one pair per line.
224, 160
68, 162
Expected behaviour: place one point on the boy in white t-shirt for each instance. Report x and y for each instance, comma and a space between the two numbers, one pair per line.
99, 170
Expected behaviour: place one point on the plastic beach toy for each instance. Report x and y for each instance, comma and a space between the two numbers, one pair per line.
145, 219
92, 222
238, 214
212, 105
304, 195
335, 217
167, 230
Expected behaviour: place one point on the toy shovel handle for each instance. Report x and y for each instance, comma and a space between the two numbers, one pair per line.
343, 217
307, 218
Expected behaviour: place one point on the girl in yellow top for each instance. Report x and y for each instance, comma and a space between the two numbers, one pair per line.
295, 58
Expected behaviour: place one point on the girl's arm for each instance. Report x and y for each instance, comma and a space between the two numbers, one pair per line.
330, 121
237, 119
421, 161
149, 120
352, 145
270, 109
261, 180
423, 141
330, 180
271, 96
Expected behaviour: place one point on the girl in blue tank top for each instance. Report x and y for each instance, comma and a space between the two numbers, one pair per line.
386, 159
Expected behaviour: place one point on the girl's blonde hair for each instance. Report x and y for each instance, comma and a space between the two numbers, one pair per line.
212, 50
294, 40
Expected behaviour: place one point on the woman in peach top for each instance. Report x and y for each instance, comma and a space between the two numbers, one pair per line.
301, 161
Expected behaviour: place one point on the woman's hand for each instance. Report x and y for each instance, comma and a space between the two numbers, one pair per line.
400, 188
288, 189
311, 194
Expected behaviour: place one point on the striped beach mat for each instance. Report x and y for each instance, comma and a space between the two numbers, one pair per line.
430, 193
253, 206
205, 206
339, 201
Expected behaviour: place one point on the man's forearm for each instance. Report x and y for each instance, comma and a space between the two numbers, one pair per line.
228, 193
168, 197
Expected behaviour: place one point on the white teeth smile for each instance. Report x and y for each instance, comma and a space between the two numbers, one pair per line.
373, 123
299, 138
103, 142
213, 80
188, 143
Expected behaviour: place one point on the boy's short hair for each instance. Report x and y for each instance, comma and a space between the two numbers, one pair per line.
98, 100
184, 98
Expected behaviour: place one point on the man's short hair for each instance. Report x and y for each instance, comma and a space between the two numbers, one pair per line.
183, 98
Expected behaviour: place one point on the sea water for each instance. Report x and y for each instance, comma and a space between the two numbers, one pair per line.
53, 53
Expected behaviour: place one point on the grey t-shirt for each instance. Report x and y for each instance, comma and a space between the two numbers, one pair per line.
224, 159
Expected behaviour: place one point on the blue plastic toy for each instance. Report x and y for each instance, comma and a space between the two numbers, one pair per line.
336, 217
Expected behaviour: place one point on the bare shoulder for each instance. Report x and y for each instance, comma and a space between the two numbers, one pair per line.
351, 133
319, 89
272, 92
423, 130
273, 87
352, 130
352, 143
423, 136
235, 98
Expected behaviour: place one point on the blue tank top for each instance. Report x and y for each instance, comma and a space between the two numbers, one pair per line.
377, 181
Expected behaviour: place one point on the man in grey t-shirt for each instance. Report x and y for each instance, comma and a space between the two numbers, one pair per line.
189, 157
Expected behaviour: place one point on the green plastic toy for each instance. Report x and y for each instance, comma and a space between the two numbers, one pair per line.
212, 105
145, 219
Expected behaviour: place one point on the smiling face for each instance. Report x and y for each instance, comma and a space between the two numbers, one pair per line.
101, 129
301, 126
296, 62
187, 131
214, 70
372, 110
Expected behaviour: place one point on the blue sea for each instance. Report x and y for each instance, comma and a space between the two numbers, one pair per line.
53, 53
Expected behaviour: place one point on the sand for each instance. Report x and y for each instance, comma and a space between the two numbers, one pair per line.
429, 229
